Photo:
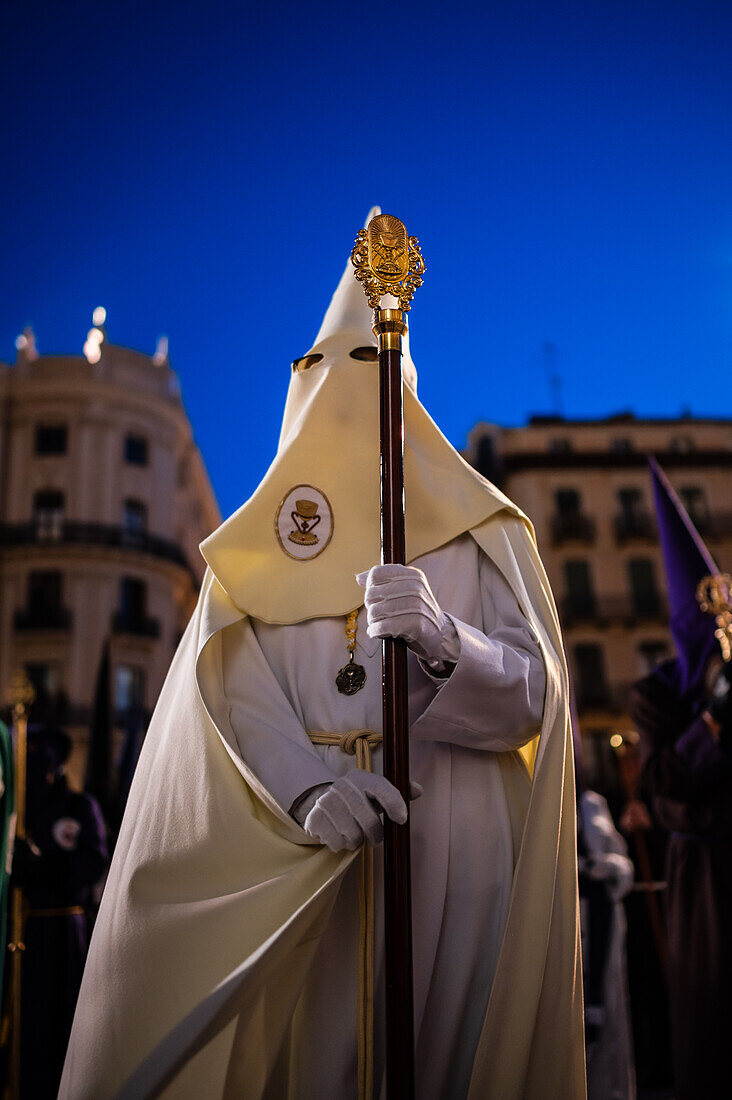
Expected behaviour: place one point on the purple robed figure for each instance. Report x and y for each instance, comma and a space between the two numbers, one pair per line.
688, 775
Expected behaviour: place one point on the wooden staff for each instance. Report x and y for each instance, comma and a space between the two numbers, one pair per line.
626, 750
386, 261
19, 696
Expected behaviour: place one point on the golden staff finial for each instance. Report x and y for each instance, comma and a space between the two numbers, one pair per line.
387, 261
20, 694
714, 594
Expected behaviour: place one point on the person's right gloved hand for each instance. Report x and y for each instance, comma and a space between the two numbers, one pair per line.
347, 813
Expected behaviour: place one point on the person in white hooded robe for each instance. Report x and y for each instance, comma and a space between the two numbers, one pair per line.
487, 699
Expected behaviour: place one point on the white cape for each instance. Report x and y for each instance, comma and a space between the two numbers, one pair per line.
216, 899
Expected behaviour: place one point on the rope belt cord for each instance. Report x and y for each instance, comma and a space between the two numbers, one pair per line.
359, 743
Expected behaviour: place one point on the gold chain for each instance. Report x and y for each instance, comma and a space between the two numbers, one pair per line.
351, 630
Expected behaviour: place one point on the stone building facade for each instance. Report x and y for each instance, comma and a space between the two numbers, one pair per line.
103, 501
585, 485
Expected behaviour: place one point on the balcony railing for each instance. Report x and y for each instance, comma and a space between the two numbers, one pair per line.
635, 525
42, 618
123, 622
613, 609
572, 528
71, 532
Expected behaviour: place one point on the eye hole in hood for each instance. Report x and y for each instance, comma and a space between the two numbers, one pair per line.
305, 362
365, 355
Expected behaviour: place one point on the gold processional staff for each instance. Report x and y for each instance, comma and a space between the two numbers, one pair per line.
388, 262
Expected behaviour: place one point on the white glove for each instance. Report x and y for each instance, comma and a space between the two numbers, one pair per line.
400, 604
347, 813
615, 870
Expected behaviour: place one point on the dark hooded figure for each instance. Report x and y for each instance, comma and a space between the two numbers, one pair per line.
64, 856
683, 712
688, 772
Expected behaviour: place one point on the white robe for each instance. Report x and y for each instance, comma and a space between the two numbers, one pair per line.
465, 831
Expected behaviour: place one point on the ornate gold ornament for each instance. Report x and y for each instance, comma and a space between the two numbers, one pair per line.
351, 677
387, 261
304, 522
20, 693
714, 594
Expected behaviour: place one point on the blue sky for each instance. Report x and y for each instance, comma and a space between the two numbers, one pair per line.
201, 170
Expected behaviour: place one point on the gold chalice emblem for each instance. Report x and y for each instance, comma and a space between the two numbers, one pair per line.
389, 251
305, 517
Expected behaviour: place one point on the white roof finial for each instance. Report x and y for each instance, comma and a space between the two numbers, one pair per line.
160, 358
26, 344
95, 336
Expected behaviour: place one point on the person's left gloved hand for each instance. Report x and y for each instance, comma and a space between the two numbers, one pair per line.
400, 604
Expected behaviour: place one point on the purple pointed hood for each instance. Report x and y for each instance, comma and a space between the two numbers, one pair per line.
686, 560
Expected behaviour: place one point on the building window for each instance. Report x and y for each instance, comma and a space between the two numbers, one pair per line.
44, 591
643, 590
136, 450
568, 503
633, 521
50, 704
43, 609
695, 502
682, 444
132, 617
132, 598
559, 446
45, 678
621, 445
129, 689
569, 522
631, 503
486, 459
134, 516
650, 654
591, 686
51, 439
578, 586
48, 513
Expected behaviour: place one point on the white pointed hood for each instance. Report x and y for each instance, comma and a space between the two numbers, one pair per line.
291, 552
